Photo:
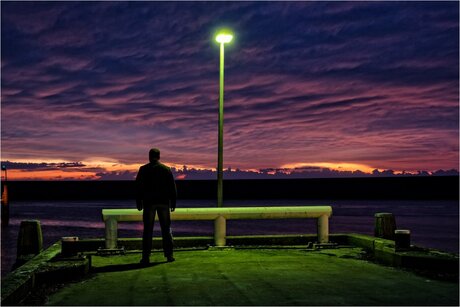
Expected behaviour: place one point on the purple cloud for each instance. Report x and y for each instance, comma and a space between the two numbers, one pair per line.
358, 82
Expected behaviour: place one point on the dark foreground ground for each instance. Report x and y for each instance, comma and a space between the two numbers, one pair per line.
250, 276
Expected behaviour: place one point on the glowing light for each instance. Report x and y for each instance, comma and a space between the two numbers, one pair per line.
224, 37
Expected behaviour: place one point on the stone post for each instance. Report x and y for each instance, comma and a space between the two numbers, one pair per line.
220, 231
111, 233
323, 229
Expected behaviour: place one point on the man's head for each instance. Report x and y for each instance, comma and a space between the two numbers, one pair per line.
154, 155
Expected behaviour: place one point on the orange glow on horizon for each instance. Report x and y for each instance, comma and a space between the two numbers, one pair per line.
17, 174
339, 166
86, 172
181, 177
90, 169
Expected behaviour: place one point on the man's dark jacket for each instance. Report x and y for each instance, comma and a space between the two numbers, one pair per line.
155, 185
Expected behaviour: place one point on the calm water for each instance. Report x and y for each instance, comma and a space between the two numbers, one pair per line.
432, 223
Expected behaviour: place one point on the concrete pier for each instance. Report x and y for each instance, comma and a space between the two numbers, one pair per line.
257, 270
253, 277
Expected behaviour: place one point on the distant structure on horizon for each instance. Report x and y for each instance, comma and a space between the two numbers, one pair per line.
187, 173
270, 173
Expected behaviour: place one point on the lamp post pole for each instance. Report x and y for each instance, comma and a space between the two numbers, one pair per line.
220, 154
222, 38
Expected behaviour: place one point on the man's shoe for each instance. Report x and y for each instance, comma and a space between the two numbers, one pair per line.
144, 261
171, 259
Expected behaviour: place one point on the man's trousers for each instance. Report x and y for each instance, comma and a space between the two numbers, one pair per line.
165, 224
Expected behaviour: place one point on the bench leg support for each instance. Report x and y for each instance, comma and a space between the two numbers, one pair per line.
323, 229
220, 231
111, 233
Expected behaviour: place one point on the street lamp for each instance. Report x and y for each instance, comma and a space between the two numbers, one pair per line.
222, 37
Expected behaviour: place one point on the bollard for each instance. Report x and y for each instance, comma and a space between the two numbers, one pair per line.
385, 226
219, 231
68, 246
402, 239
30, 238
30, 241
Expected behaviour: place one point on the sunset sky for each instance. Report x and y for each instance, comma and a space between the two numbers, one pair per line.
88, 87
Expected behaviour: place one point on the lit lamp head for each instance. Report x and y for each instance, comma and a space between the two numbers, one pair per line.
224, 37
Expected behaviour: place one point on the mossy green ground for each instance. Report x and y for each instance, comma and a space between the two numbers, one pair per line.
253, 277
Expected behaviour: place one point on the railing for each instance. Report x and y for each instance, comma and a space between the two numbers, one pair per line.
111, 218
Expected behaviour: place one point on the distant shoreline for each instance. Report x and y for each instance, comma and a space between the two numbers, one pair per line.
424, 188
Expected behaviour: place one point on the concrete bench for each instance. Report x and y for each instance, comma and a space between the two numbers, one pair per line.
111, 218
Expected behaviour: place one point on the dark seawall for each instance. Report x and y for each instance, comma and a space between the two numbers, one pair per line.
324, 188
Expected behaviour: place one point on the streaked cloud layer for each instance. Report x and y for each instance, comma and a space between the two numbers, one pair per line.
362, 83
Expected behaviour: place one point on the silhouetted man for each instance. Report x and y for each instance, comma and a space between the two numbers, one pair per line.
156, 193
